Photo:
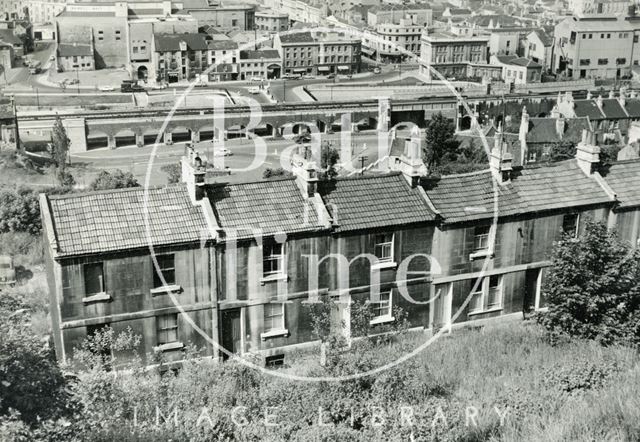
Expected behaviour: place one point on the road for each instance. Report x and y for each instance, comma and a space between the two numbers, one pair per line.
136, 160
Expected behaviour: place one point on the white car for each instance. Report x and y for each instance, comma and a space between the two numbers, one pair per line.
256, 79
106, 88
308, 77
222, 152
254, 90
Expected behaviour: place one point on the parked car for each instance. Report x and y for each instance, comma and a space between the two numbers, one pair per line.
106, 88
331, 76
7, 271
222, 152
254, 90
256, 79
159, 86
302, 138
377, 70
308, 77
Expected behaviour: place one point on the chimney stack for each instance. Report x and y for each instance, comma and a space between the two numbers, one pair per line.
500, 161
622, 98
599, 101
306, 173
412, 166
589, 95
588, 153
193, 173
612, 94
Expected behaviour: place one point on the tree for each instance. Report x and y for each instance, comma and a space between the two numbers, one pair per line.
329, 157
440, 145
19, 210
60, 150
593, 288
173, 171
113, 180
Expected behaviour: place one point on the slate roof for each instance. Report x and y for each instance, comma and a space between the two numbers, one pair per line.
74, 49
298, 37
632, 106
171, 42
273, 206
517, 61
7, 36
543, 130
545, 38
113, 220
256, 55
374, 201
587, 108
221, 44
624, 179
612, 109
471, 196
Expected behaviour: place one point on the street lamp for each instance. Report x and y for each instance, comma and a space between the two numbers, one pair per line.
77, 81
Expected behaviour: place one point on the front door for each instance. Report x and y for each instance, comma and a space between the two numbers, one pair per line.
231, 332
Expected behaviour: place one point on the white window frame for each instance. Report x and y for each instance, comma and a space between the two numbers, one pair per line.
484, 251
168, 345
279, 273
277, 329
483, 291
384, 260
387, 314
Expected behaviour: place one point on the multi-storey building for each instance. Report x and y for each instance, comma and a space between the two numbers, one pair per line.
309, 11
417, 13
75, 57
318, 52
223, 57
518, 70
538, 46
597, 7
271, 21
261, 63
121, 32
451, 54
221, 15
177, 57
213, 264
602, 47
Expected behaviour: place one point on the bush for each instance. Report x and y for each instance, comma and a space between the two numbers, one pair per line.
593, 289
279, 172
113, 180
19, 210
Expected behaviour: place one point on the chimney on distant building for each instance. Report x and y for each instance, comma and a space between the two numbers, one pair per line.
588, 153
193, 173
500, 161
412, 166
589, 95
622, 98
612, 94
599, 102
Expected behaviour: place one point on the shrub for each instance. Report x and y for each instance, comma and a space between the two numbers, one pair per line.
174, 173
19, 210
113, 180
593, 288
580, 375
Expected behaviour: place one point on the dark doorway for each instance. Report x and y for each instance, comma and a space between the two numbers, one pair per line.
143, 73
531, 291
231, 332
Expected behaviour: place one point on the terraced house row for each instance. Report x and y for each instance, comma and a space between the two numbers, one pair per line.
226, 256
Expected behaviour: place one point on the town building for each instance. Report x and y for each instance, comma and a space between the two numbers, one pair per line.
601, 47
319, 52
75, 57
598, 7
221, 15
271, 21
538, 46
518, 70
223, 58
178, 57
8, 38
262, 63
121, 32
309, 11
452, 54
235, 265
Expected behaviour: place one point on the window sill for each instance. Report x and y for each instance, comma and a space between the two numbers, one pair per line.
97, 297
382, 320
384, 265
171, 346
273, 278
165, 289
481, 254
482, 312
274, 334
